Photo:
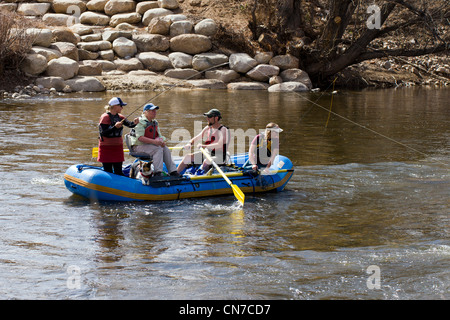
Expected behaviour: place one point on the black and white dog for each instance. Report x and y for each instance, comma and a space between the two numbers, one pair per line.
142, 170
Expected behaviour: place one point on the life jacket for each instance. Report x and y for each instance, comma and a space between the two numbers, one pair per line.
263, 149
151, 131
212, 137
263, 145
115, 132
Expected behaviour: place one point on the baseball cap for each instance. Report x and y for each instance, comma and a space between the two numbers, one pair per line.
274, 127
150, 106
116, 101
213, 113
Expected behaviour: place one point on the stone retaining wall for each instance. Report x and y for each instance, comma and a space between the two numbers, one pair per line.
88, 40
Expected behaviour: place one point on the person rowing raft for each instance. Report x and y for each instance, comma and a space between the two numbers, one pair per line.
213, 138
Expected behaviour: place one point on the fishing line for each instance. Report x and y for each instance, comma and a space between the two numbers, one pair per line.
314, 103
368, 129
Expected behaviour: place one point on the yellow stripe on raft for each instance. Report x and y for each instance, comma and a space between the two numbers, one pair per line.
175, 196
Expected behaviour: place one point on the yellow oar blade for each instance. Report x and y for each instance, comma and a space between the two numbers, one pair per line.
95, 150
238, 194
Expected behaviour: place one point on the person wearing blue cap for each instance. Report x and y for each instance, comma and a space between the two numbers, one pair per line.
147, 138
110, 145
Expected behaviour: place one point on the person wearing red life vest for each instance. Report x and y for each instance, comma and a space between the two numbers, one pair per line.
213, 138
110, 146
147, 138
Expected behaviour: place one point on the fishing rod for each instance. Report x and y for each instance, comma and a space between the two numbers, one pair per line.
174, 85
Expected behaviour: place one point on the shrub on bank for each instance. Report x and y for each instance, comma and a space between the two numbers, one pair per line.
15, 42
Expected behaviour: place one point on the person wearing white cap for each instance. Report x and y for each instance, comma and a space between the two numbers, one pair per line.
147, 138
110, 145
265, 147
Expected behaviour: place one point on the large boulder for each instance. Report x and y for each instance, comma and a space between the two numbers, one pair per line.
288, 87
159, 25
263, 57
68, 6
212, 84
206, 27
48, 53
168, 4
190, 43
96, 5
241, 62
180, 60
180, 27
143, 6
286, 61
89, 68
208, 60
51, 82
223, 75
153, 13
263, 72
151, 42
62, 67
247, 86
89, 84
183, 73
87, 55
296, 75
106, 65
155, 61
81, 29
113, 7
107, 55
111, 35
132, 17
95, 45
124, 47
128, 65
67, 49
34, 64
40, 37
64, 35
57, 19
33, 9
94, 18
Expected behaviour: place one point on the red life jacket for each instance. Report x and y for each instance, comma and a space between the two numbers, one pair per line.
151, 131
210, 138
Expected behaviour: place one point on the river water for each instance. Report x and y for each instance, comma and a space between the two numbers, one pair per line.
365, 215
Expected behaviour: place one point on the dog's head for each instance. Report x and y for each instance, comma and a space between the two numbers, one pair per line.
146, 168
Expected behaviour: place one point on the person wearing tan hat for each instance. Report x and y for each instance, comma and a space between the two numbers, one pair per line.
265, 147
213, 138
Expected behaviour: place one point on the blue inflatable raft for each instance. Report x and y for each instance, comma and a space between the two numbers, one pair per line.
94, 183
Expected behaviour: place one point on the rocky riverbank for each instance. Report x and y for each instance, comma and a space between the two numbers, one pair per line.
129, 45
100, 45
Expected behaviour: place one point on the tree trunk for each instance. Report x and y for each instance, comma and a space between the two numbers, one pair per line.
289, 15
321, 70
339, 17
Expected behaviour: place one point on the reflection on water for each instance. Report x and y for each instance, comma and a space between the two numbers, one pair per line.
356, 199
